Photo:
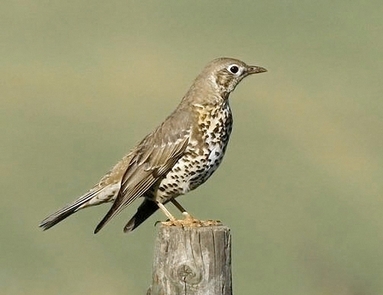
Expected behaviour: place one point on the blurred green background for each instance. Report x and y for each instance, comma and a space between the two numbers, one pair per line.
81, 82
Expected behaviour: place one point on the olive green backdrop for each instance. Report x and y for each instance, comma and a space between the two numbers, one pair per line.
81, 82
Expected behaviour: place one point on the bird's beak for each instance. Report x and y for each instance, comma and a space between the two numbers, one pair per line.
255, 70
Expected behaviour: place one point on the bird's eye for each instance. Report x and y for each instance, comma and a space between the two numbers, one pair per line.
234, 69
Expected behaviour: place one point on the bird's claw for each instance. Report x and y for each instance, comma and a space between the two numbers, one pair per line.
191, 222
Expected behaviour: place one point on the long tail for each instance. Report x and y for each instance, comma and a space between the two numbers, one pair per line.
146, 209
91, 198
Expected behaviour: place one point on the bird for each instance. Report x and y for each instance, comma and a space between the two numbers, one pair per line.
177, 157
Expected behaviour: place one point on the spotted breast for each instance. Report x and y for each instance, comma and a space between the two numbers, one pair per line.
203, 154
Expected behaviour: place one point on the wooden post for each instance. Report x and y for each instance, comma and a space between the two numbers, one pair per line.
192, 261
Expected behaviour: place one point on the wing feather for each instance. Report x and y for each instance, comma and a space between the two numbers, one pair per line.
150, 163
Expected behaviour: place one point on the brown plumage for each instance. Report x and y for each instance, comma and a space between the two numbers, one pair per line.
176, 157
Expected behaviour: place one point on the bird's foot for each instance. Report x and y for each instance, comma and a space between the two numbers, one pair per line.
190, 221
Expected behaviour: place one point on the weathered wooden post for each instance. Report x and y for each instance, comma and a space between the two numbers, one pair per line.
192, 261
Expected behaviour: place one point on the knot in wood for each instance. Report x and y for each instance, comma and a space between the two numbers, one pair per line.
188, 274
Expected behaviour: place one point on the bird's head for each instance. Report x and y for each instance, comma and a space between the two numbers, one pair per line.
224, 74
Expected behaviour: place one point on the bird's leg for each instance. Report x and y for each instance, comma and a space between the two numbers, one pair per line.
182, 209
166, 211
190, 220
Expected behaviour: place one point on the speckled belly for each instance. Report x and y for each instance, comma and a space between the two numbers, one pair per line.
202, 157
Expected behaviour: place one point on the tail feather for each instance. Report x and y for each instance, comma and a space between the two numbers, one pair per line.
146, 209
71, 208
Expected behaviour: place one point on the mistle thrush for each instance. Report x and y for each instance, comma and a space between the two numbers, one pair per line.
178, 156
